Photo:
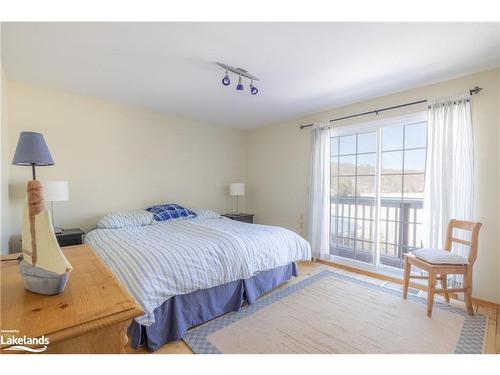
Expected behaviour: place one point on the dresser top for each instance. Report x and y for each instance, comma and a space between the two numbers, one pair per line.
93, 299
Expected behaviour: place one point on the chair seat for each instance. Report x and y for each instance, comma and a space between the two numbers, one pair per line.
438, 256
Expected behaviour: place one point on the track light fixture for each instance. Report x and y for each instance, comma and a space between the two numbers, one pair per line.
241, 73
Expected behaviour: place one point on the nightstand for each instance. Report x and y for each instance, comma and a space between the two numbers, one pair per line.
246, 218
70, 237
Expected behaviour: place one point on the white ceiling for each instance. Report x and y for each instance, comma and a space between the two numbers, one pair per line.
303, 67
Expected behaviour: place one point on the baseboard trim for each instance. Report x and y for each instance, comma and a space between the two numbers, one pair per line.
398, 281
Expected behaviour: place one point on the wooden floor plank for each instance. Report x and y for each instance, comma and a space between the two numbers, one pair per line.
177, 347
491, 313
497, 340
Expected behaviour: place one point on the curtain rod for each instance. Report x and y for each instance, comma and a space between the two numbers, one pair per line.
475, 90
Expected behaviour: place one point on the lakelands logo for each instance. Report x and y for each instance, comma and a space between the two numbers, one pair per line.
22, 343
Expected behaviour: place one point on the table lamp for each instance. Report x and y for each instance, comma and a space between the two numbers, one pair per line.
32, 150
237, 189
44, 268
55, 191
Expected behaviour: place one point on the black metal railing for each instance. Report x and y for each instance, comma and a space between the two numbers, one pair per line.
352, 232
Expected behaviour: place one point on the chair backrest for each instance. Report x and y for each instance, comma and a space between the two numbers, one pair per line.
466, 226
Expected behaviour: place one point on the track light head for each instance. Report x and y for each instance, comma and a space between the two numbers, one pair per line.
239, 86
226, 81
253, 90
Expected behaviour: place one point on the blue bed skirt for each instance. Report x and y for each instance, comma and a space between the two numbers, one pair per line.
179, 313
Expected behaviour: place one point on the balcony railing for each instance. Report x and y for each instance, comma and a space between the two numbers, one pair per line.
352, 232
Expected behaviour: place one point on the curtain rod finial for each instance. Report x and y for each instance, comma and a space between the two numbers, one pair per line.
475, 90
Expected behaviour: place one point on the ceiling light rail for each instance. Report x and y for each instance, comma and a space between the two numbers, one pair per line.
226, 81
473, 91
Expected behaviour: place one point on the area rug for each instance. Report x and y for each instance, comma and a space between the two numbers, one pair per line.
333, 313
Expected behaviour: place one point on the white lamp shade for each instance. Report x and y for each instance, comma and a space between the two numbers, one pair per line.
55, 191
237, 188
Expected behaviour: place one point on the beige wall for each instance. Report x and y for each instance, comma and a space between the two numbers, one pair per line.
279, 157
118, 157
5, 217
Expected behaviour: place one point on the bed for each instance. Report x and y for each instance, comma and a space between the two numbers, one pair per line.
188, 271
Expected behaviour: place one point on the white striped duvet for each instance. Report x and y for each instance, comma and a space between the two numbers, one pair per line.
156, 262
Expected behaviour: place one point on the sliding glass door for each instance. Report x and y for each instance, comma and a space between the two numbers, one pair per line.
353, 170
377, 184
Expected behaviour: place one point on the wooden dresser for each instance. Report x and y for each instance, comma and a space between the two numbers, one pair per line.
91, 315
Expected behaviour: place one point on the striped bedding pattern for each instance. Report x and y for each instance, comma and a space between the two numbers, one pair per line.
156, 262
124, 219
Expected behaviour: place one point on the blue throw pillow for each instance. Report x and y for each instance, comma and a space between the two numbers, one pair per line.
166, 212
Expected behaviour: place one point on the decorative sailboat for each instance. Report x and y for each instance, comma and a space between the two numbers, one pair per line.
44, 268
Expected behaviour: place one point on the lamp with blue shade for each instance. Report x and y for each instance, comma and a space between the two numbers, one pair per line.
32, 150
43, 266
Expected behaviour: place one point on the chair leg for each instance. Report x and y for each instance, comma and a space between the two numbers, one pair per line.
444, 283
407, 270
430, 293
468, 292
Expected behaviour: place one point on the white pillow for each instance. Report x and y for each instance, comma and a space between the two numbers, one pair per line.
125, 219
203, 213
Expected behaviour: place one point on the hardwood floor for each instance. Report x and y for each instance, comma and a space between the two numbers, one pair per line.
308, 268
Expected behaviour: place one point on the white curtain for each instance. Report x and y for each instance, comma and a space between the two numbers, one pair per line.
319, 190
449, 188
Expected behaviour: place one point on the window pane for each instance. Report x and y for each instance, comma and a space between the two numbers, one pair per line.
348, 144
367, 164
346, 186
365, 186
363, 235
334, 183
363, 256
416, 135
333, 207
334, 166
389, 234
414, 186
369, 228
367, 142
368, 246
415, 235
392, 162
391, 209
348, 231
415, 161
392, 186
365, 209
333, 230
420, 215
334, 146
392, 138
347, 165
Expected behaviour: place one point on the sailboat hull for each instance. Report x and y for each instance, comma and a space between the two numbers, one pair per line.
44, 268
41, 281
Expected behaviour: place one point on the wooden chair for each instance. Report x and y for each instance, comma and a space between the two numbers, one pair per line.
439, 271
